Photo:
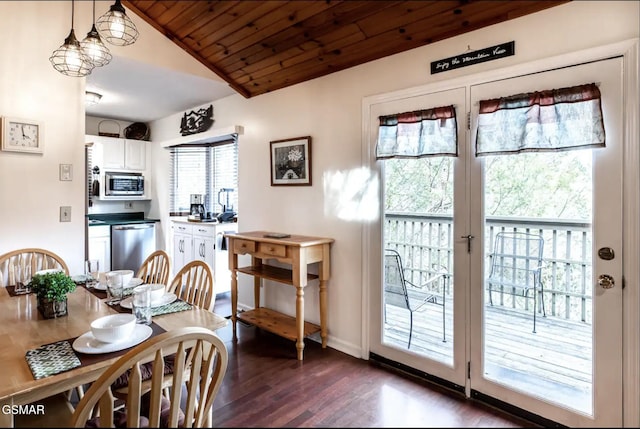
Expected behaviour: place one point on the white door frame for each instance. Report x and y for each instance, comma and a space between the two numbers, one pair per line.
629, 50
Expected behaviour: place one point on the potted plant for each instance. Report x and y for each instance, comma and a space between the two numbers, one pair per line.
52, 289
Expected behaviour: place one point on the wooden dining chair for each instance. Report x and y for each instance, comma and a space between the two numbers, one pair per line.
156, 268
194, 284
200, 363
38, 259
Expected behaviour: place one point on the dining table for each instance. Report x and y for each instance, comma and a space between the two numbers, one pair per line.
23, 329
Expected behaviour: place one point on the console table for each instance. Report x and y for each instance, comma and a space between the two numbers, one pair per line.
297, 251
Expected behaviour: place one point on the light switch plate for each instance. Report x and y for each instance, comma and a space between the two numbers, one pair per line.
65, 213
66, 172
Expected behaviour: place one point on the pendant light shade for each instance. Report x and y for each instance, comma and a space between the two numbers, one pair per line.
116, 27
97, 52
69, 59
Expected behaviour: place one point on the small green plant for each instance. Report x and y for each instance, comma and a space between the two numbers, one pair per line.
52, 286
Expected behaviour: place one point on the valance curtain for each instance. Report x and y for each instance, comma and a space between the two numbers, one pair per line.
551, 120
418, 134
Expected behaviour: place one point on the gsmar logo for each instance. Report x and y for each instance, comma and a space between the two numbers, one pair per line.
28, 409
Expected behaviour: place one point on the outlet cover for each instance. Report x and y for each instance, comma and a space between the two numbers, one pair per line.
65, 213
128, 205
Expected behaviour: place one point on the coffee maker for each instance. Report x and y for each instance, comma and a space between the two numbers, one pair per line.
197, 211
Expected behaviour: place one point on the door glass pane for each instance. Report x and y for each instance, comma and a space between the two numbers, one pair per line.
548, 197
418, 241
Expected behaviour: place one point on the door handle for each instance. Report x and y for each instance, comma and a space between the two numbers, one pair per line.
606, 281
469, 238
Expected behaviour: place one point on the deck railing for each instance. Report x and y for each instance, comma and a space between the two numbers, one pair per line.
426, 244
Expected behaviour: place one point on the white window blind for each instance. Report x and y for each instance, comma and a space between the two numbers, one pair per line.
203, 169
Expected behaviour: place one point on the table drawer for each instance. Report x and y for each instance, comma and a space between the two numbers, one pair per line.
272, 249
244, 246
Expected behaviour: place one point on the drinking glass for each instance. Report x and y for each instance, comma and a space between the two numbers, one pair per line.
115, 288
22, 275
141, 304
92, 272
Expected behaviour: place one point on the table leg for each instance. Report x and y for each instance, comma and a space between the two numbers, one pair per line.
323, 312
300, 320
234, 301
6, 416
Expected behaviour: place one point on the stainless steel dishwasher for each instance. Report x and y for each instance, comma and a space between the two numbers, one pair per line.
131, 244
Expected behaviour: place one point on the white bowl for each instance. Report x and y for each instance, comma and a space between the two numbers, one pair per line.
114, 327
127, 275
157, 292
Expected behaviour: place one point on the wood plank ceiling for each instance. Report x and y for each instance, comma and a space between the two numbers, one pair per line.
262, 46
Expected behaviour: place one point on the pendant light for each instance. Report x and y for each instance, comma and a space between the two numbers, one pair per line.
91, 98
69, 59
116, 27
97, 52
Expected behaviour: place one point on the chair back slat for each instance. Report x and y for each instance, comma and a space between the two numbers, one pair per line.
194, 284
204, 368
395, 288
156, 268
38, 259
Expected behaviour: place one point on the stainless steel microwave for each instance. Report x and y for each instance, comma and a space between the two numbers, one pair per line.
123, 184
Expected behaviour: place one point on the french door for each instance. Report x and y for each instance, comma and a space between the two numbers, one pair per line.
570, 369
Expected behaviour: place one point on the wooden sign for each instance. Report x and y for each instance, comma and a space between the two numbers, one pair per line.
474, 57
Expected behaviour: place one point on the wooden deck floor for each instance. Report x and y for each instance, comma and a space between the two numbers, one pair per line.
554, 363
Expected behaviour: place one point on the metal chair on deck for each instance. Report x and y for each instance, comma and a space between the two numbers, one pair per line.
400, 292
516, 266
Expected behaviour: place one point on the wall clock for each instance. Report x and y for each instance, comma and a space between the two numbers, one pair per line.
22, 135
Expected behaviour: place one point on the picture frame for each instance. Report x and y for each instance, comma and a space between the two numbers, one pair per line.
22, 135
291, 162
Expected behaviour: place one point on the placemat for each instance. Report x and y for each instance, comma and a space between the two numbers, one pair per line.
103, 293
11, 290
51, 359
174, 307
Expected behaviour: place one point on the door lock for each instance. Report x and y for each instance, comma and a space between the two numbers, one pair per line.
606, 281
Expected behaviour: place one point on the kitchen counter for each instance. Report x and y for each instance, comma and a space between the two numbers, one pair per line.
119, 219
184, 219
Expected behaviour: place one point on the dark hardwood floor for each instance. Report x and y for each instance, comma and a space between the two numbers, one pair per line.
266, 386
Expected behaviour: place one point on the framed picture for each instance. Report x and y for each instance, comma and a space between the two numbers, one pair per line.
291, 162
22, 135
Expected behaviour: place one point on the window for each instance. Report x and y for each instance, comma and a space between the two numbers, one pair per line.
203, 169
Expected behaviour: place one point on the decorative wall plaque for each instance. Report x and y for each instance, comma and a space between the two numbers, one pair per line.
474, 57
196, 121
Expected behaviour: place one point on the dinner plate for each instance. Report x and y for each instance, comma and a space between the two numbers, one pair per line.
167, 298
87, 343
50, 270
134, 282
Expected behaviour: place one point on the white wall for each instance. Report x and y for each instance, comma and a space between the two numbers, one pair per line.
30, 192
329, 110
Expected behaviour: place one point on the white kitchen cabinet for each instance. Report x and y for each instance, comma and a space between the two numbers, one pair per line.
100, 245
203, 241
182, 245
119, 154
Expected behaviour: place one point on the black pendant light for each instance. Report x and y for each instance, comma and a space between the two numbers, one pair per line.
97, 52
116, 27
70, 59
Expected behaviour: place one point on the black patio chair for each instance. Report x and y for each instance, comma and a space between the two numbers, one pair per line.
516, 268
400, 292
